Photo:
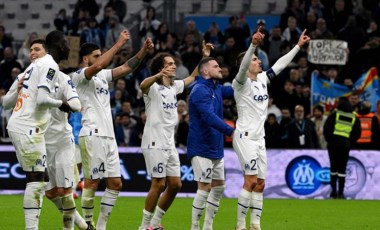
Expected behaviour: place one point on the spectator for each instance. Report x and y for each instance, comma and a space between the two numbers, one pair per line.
275, 41
137, 132
181, 71
337, 16
123, 129
92, 34
286, 119
366, 140
293, 9
191, 28
272, 108
272, 132
214, 36
321, 31
115, 28
292, 32
354, 101
104, 23
149, 25
89, 5
5, 41
62, 21
239, 30
319, 120
310, 23
6, 65
120, 8
302, 134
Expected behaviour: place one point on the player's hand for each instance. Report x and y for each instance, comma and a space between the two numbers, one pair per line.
206, 48
258, 37
20, 84
168, 71
124, 36
148, 44
303, 39
65, 107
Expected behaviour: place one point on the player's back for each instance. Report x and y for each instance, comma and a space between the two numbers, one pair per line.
58, 124
27, 115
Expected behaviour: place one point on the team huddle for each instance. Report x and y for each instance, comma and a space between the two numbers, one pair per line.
43, 97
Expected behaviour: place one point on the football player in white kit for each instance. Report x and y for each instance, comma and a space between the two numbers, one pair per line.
100, 157
251, 95
158, 145
59, 156
29, 121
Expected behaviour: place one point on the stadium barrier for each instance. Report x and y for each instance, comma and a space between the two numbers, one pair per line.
296, 174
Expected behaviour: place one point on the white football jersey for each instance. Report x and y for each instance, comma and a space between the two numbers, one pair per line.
162, 115
58, 126
27, 117
252, 105
94, 96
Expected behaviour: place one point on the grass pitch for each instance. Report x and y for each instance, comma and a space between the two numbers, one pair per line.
278, 214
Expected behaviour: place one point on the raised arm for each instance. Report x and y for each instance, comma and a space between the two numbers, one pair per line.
256, 40
284, 61
130, 65
206, 50
103, 61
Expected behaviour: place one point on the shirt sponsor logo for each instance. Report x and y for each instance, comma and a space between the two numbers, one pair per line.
260, 98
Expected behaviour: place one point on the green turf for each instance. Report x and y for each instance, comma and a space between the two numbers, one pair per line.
278, 214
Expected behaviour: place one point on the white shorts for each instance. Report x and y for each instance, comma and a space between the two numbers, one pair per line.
30, 151
60, 163
100, 157
252, 155
162, 162
205, 169
78, 156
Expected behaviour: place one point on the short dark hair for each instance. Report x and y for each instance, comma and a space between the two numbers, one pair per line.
86, 49
54, 39
38, 41
320, 108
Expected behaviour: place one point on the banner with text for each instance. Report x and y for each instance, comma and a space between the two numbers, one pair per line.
327, 52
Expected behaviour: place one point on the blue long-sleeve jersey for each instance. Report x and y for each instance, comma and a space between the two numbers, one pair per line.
207, 127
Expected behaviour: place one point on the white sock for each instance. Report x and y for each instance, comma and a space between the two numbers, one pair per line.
212, 206
156, 220
108, 201
147, 216
256, 207
79, 221
58, 203
33, 203
199, 204
242, 208
88, 199
68, 211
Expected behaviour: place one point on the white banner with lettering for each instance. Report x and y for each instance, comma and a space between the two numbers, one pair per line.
327, 52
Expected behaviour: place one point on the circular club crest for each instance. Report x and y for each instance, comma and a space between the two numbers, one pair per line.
302, 175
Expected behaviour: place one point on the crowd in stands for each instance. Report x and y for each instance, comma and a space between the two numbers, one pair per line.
356, 22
